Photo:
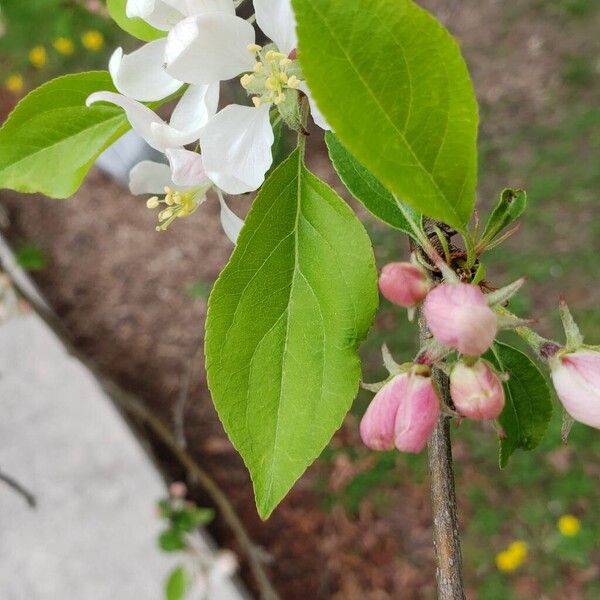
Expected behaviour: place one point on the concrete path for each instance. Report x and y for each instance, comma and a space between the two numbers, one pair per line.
93, 534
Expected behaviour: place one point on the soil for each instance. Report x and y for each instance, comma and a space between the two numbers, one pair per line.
121, 289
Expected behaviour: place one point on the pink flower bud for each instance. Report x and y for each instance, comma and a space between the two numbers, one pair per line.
404, 284
377, 425
178, 489
576, 377
477, 391
458, 316
417, 415
402, 414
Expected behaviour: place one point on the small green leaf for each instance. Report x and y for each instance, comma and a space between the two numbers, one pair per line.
51, 140
177, 584
366, 188
528, 401
392, 83
510, 207
284, 324
171, 541
135, 27
30, 257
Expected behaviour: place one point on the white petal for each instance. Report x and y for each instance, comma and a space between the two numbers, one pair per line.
141, 74
317, 115
232, 224
276, 19
155, 12
211, 47
192, 8
142, 119
149, 177
187, 169
196, 107
236, 148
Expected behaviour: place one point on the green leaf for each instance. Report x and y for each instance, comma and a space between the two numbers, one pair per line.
171, 540
510, 207
528, 401
177, 584
136, 27
284, 324
366, 188
392, 83
51, 140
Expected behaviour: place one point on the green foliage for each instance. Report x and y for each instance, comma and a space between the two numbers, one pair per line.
51, 140
510, 207
409, 110
177, 584
284, 323
365, 187
30, 257
136, 27
171, 540
528, 402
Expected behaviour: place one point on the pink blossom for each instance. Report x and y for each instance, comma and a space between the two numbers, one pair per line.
477, 391
458, 316
576, 377
404, 284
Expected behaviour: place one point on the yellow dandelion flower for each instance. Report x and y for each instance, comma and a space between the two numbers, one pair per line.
14, 83
64, 46
38, 57
93, 40
513, 557
569, 525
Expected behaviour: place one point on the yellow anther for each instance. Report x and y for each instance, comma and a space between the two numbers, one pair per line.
153, 202
293, 82
246, 80
163, 215
272, 56
256, 101
272, 83
280, 98
258, 67
254, 48
283, 78
285, 62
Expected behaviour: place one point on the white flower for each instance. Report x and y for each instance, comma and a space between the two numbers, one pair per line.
141, 75
191, 114
236, 143
184, 185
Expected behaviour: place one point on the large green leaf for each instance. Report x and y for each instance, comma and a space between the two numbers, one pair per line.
528, 401
136, 27
393, 84
366, 188
284, 323
51, 139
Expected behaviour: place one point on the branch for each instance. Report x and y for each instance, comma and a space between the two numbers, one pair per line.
19, 489
133, 406
446, 536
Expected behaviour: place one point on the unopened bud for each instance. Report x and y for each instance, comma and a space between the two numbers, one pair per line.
402, 414
458, 316
178, 490
576, 378
477, 391
404, 284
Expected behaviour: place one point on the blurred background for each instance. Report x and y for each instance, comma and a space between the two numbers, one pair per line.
357, 526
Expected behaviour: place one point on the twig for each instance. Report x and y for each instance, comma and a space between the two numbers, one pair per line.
446, 535
19, 489
133, 406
